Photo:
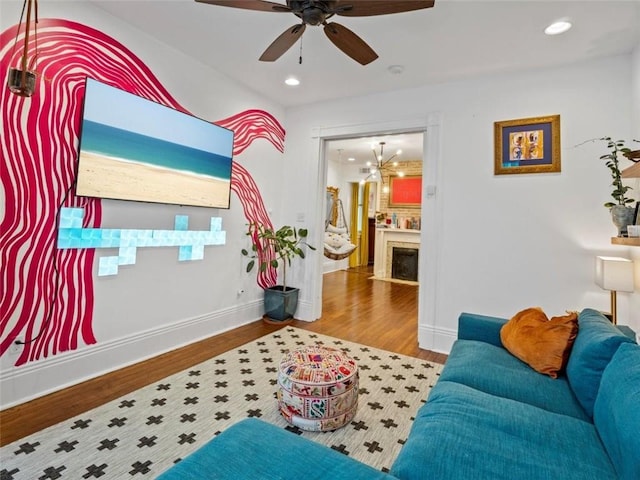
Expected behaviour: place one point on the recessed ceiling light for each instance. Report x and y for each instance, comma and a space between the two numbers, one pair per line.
558, 27
351, 159
292, 81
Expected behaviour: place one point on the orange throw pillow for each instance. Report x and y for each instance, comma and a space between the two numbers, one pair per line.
541, 343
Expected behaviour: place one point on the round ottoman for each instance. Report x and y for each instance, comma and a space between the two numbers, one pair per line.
317, 388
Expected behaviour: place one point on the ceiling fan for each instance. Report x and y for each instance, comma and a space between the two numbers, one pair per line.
316, 13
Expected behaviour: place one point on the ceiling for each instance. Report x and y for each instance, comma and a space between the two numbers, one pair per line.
360, 149
452, 41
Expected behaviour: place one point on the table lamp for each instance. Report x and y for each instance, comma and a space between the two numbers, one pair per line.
616, 275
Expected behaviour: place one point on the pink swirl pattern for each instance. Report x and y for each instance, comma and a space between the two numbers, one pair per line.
48, 294
249, 125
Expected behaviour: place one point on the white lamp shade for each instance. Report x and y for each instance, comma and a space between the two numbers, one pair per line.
614, 274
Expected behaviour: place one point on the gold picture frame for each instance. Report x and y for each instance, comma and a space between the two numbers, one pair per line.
332, 205
527, 145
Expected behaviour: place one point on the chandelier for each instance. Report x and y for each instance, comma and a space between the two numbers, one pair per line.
381, 168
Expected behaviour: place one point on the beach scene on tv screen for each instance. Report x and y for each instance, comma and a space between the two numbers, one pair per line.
134, 149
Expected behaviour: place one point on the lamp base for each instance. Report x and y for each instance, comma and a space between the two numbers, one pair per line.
614, 308
21, 83
608, 315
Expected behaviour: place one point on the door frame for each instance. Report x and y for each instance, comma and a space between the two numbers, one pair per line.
430, 247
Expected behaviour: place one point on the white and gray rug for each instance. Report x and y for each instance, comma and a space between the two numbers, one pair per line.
145, 432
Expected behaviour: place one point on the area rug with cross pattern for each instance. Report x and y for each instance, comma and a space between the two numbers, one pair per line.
144, 433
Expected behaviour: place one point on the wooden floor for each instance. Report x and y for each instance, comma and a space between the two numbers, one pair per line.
373, 312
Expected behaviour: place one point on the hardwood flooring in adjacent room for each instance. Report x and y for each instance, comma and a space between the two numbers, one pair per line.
355, 308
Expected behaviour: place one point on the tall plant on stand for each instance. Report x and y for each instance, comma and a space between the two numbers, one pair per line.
621, 213
286, 243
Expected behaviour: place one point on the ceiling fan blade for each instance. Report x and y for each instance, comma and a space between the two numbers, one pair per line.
283, 43
350, 43
366, 8
260, 5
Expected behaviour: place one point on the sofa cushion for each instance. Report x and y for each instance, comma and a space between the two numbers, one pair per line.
616, 412
464, 433
494, 370
597, 341
541, 343
253, 449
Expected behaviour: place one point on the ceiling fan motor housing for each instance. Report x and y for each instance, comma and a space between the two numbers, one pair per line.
312, 12
316, 12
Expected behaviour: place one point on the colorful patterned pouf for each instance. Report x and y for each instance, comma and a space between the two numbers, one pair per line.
318, 388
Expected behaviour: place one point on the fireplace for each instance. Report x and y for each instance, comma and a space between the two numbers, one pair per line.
387, 239
404, 264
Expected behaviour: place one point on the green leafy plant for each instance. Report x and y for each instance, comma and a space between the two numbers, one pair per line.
286, 244
619, 193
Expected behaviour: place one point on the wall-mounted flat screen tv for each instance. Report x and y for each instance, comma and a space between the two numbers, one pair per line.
132, 148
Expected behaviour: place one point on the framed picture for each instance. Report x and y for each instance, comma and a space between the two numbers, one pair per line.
405, 191
527, 145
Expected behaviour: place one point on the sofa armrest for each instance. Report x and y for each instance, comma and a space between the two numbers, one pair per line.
483, 328
256, 450
628, 332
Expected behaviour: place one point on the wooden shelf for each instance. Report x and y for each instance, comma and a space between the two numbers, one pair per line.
631, 172
634, 241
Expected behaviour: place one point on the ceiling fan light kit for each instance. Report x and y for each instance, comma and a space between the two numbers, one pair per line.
317, 12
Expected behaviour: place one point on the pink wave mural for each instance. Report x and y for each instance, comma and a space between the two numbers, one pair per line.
48, 294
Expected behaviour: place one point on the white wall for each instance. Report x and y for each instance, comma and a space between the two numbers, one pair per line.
335, 178
504, 242
341, 176
635, 115
159, 303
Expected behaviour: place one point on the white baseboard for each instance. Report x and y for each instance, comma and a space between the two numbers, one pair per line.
35, 379
329, 266
436, 339
305, 311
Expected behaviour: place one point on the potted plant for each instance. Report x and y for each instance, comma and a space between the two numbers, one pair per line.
621, 213
272, 249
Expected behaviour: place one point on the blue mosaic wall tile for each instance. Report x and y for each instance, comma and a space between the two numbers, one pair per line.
190, 243
108, 266
182, 222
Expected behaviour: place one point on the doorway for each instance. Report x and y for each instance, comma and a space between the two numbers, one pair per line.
430, 126
371, 175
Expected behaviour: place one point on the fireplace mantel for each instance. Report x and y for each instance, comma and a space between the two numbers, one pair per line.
399, 236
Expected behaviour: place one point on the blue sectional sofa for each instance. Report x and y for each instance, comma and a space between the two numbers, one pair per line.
490, 416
